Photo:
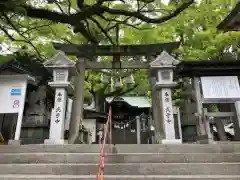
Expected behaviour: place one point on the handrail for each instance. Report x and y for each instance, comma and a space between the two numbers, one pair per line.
100, 173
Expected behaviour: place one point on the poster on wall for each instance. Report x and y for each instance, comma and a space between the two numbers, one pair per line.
220, 87
12, 94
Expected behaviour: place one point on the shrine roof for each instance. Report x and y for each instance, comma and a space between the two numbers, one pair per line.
135, 101
232, 21
208, 68
25, 65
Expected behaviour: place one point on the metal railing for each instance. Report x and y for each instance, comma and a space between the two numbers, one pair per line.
108, 126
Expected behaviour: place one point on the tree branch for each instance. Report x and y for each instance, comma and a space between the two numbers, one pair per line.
144, 18
87, 12
102, 29
21, 34
81, 28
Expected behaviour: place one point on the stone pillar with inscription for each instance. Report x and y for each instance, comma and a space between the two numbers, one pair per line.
164, 64
63, 68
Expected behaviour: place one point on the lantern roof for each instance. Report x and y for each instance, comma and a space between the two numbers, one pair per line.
164, 60
60, 60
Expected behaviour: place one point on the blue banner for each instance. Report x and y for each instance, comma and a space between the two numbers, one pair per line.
16, 92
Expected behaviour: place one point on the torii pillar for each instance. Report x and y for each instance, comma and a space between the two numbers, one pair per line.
164, 64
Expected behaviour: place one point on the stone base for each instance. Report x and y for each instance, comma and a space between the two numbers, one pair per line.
173, 141
52, 141
14, 142
226, 142
204, 141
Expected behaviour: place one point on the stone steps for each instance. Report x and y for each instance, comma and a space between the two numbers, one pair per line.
119, 177
27, 158
123, 162
123, 148
124, 169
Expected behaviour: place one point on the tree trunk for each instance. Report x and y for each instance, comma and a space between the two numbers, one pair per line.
220, 130
99, 100
77, 107
157, 119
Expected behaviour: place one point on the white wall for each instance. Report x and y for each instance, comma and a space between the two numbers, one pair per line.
88, 123
12, 91
12, 97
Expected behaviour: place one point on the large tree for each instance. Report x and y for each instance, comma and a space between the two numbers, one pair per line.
94, 20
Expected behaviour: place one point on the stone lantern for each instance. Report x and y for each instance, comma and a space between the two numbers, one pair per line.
164, 64
62, 69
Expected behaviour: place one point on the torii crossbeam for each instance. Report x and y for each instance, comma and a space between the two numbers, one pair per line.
89, 51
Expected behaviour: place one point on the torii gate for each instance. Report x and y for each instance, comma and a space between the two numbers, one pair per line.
163, 64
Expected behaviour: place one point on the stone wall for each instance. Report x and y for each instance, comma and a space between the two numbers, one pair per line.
37, 116
188, 113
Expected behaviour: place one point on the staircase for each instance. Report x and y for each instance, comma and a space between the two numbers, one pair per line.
136, 162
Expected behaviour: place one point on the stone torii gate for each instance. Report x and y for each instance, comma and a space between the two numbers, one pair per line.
162, 65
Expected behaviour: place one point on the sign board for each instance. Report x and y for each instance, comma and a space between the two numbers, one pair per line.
12, 93
220, 88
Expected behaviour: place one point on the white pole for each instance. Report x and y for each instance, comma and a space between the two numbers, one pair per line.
138, 130
237, 107
179, 122
20, 114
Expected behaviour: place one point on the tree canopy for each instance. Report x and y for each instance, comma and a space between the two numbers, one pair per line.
94, 20
33, 25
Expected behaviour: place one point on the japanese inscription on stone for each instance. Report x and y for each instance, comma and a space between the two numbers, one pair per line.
167, 113
58, 110
58, 115
167, 107
59, 97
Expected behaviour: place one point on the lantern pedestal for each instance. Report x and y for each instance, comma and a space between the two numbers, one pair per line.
52, 141
167, 113
172, 141
14, 142
56, 134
